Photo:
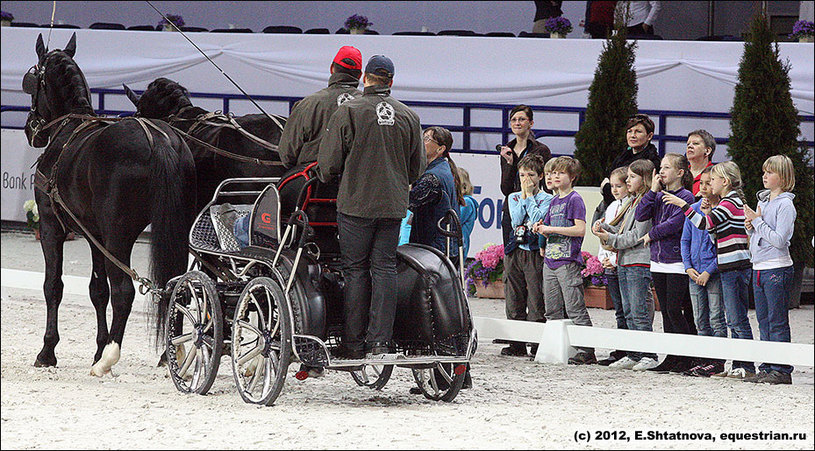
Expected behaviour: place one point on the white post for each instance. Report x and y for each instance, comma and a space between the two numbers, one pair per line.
554, 343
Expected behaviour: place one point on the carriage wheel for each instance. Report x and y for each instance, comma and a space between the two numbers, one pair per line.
194, 333
373, 376
261, 341
440, 383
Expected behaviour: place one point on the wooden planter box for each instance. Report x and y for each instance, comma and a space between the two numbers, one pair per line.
493, 290
598, 297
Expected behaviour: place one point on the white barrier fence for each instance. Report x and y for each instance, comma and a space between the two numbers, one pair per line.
557, 339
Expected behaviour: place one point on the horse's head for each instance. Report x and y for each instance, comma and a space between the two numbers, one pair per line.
57, 87
162, 99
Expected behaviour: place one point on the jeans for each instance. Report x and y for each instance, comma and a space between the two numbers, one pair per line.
708, 308
735, 284
638, 303
616, 299
772, 288
368, 247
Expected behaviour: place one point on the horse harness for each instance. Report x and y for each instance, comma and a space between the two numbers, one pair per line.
91, 126
219, 120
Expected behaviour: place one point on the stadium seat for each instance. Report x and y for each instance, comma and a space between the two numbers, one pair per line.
500, 34
283, 29
526, 34
60, 25
317, 31
24, 24
457, 33
106, 26
194, 29
645, 37
142, 28
232, 30
721, 37
414, 33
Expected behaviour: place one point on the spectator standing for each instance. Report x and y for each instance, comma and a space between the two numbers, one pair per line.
300, 140
435, 192
565, 226
639, 130
639, 15
469, 212
371, 131
667, 269
699, 151
726, 221
545, 9
624, 233
599, 19
523, 267
770, 228
699, 258
524, 143
608, 256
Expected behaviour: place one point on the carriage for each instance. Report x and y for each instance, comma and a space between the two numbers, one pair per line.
280, 299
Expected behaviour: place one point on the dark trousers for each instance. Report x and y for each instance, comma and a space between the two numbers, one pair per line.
674, 303
639, 29
368, 247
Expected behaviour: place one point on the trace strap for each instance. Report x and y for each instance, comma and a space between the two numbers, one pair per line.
226, 153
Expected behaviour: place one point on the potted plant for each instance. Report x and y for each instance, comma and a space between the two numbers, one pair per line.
486, 273
32, 216
595, 282
803, 30
558, 27
357, 24
173, 22
6, 17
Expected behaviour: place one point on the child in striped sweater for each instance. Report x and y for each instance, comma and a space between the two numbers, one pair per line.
726, 222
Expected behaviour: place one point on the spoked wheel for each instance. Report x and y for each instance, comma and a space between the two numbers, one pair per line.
440, 383
373, 376
261, 341
194, 333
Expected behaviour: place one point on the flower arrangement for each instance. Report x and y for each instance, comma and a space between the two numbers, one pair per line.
560, 25
7, 16
32, 214
593, 273
173, 18
488, 267
803, 29
358, 22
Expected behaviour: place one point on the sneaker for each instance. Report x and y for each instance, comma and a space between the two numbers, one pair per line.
645, 363
704, 371
625, 363
349, 354
313, 371
740, 373
692, 371
755, 378
513, 350
583, 358
776, 378
683, 364
665, 366
608, 361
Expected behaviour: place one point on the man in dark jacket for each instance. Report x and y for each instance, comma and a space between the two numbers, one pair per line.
300, 140
375, 143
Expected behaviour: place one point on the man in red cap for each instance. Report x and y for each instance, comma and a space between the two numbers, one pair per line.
300, 141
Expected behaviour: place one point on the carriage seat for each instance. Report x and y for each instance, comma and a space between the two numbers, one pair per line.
214, 230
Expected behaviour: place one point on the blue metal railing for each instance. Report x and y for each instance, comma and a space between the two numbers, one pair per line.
466, 128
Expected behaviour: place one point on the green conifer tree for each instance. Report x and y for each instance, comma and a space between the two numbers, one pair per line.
764, 122
612, 100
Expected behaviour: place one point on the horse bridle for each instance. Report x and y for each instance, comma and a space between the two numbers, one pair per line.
33, 83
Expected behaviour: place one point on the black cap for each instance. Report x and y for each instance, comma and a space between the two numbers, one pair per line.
380, 65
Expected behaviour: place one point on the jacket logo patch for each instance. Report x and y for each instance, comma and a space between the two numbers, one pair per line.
344, 97
384, 113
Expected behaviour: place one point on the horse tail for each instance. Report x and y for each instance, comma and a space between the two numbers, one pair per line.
172, 212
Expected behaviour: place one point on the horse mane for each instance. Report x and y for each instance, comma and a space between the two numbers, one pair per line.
163, 98
68, 83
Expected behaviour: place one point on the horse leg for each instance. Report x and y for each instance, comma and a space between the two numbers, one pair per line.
52, 238
100, 294
122, 293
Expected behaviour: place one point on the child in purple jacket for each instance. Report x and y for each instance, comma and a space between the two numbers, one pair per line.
667, 269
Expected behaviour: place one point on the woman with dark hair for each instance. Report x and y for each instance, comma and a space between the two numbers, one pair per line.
524, 143
639, 130
435, 192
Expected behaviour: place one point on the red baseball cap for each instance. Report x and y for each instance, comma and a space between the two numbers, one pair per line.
349, 57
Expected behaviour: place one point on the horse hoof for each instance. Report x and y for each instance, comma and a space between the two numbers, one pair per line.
40, 364
98, 372
109, 358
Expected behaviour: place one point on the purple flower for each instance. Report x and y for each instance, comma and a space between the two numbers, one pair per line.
802, 28
559, 24
5, 15
174, 18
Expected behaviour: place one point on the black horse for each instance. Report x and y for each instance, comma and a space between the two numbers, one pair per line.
108, 179
166, 99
